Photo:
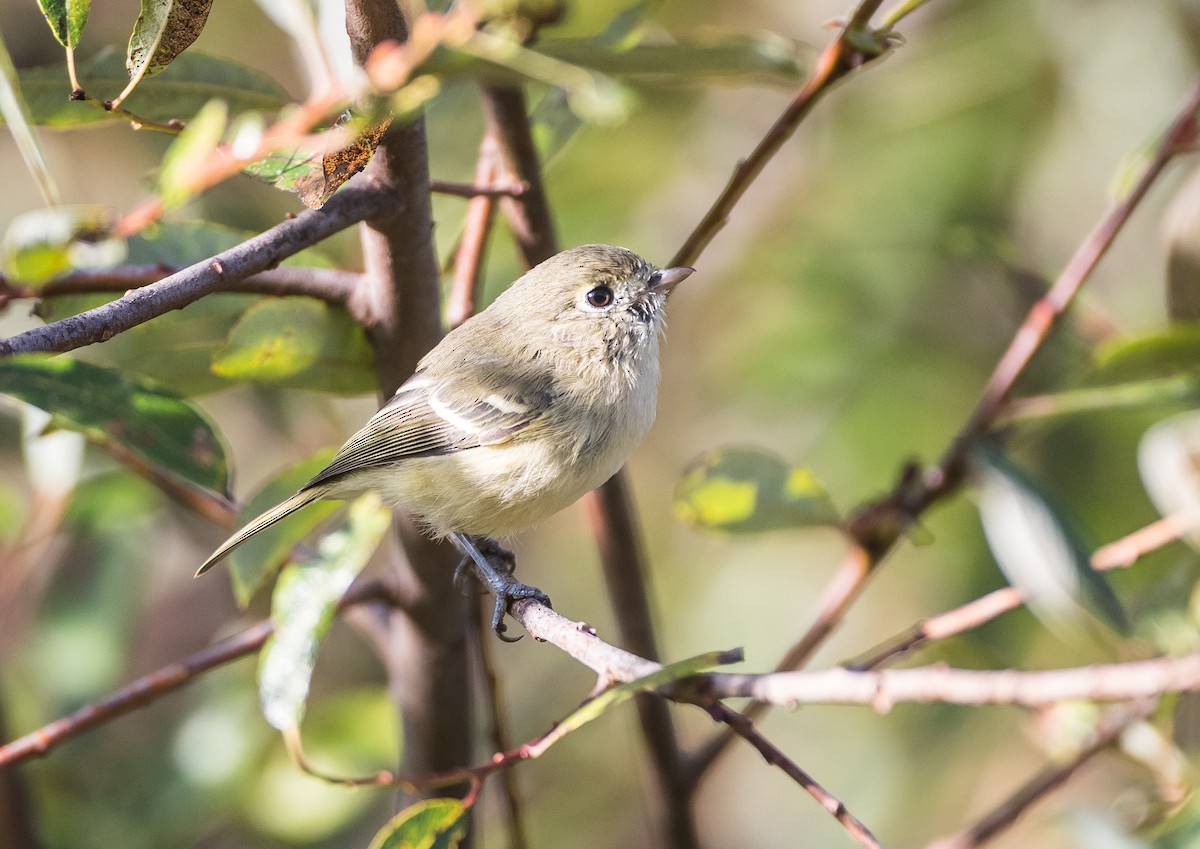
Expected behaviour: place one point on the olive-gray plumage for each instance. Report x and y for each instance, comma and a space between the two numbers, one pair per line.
520, 410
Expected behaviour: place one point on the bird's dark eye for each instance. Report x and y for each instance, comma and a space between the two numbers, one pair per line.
655, 279
600, 297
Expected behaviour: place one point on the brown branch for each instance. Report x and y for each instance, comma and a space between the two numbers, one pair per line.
252, 256
884, 688
150, 688
855, 46
1107, 731
742, 727
327, 284
140, 693
1045, 314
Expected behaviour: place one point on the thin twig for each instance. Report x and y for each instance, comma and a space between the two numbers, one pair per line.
252, 256
1107, 731
855, 46
331, 285
150, 688
140, 693
742, 727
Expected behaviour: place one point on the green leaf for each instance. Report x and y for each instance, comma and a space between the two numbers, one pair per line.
164, 29
178, 93
430, 824
183, 158
19, 119
1181, 389
274, 339
67, 19
299, 342
44, 243
145, 426
253, 562
1038, 547
743, 488
303, 606
1161, 354
1169, 464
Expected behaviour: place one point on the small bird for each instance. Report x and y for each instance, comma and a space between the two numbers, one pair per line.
515, 414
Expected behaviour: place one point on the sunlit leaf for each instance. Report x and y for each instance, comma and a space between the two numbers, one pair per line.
1038, 548
315, 177
1180, 389
742, 488
430, 824
179, 92
176, 179
1182, 225
1169, 464
44, 243
66, 19
163, 30
303, 605
253, 562
145, 426
298, 342
19, 120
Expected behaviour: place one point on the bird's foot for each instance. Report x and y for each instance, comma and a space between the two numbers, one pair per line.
494, 565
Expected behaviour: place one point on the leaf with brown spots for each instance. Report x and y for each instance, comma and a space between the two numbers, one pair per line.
315, 178
164, 29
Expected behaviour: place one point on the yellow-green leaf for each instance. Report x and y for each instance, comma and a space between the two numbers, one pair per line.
743, 488
431, 824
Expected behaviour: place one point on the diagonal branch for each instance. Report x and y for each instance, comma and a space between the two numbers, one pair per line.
252, 256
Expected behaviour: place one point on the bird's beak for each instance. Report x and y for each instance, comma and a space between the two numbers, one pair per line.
669, 278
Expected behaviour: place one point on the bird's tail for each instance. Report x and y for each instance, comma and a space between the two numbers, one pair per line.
265, 520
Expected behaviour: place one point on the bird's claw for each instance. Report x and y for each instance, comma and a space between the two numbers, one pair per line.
494, 565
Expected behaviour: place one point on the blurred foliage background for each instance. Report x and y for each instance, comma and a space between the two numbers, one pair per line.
845, 319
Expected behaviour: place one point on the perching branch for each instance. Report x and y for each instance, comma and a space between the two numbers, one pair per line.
881, 689
256, 254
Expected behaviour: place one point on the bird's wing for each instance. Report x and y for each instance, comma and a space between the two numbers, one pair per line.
429, 416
